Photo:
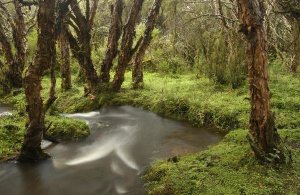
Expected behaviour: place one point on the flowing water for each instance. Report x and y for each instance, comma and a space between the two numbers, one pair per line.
123, 142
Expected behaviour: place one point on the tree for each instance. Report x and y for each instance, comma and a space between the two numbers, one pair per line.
16, 62
81, 47
65, 69
31, 148
291, 10
137, 71
263, 137
114, 35
126, 51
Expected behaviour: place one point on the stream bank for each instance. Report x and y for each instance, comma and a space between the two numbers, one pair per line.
124, 141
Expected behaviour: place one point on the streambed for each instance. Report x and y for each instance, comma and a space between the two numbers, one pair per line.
124, 141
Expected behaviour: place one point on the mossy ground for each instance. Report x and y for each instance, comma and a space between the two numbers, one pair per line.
227, 168
12, 129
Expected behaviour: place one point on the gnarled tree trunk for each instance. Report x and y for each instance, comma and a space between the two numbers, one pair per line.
263, 135
15, 62
137, 71
9, 60
31, 149
82, 47
126, 52
19, 35
115, 32
65, 70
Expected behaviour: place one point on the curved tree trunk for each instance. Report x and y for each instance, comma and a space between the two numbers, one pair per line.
137, 71
115, 32
31, 149
263, 134
126, 52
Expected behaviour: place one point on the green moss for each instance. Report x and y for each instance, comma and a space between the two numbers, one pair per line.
66, 129
227, 168
11, 134
185, 97
12, 129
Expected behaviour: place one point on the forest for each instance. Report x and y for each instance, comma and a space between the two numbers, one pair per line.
155, 97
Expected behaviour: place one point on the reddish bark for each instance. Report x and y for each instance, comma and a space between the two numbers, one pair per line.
82, 47
65, 70
31, 149
126, 52
19, 35
137, 71
16, 63
115, 32
263, 135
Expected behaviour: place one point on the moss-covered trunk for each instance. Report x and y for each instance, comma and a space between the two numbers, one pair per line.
31, 149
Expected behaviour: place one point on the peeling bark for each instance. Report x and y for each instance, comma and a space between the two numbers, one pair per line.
19, 35
137, 71
126, 52
15, 62
66, 82
31, 149
115, 32
263, 134
82, 47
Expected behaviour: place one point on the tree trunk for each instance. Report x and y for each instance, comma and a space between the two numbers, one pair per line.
263, 135
19, 35
137, 71
89, 70
52, 91
296, 49
66, 82
115, 32
9, 60
126, 53
16, 63
31, 150
82, 48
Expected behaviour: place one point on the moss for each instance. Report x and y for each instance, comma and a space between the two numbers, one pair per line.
12, 129
11, 133
185, 97
66, 129
226, 168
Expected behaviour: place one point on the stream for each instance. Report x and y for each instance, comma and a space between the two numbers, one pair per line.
123, 142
